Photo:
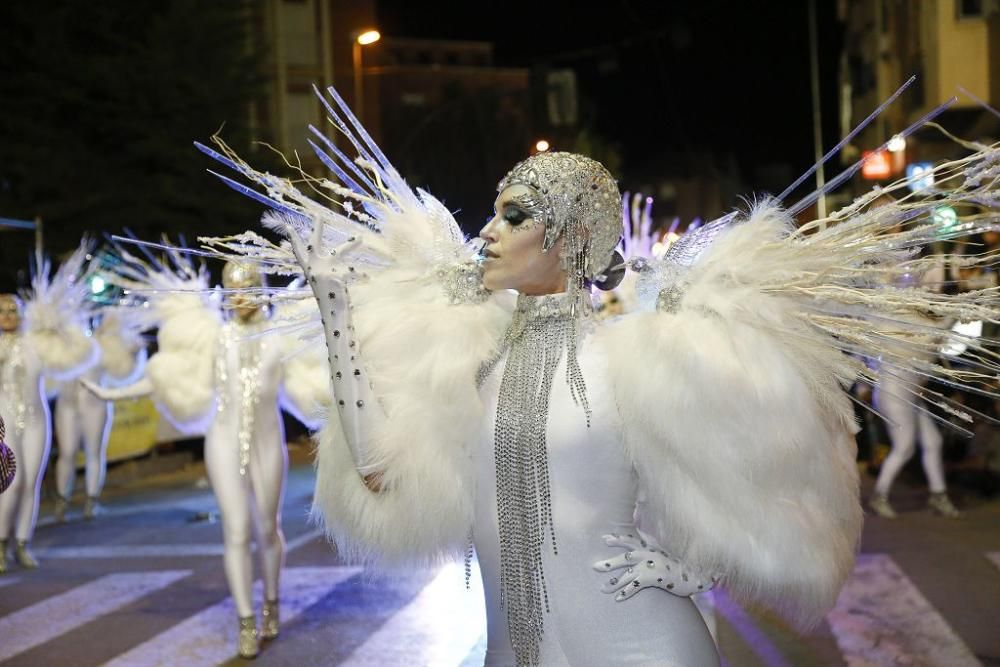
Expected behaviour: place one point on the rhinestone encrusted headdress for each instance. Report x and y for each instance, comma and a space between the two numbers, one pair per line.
577, 196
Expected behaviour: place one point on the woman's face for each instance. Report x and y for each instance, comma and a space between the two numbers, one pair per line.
513, 251
245, 307
10, 313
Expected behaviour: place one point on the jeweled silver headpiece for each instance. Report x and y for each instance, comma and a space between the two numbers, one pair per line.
241, 274
576, 196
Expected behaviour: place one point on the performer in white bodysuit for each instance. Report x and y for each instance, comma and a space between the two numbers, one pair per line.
524, 425
48, 341
907, 424
80, 416
225, 374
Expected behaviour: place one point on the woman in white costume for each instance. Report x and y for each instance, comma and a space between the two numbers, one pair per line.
533, 430
80, 416
907, 424
49, 340
224, 374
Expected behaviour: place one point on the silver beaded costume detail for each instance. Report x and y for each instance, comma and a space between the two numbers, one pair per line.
577, 200
249, 348
463, 282
570, 188
250, 351
541, 330
12, 354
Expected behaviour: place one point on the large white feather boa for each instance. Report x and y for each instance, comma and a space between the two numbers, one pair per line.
183, 370
741, 433
422, 354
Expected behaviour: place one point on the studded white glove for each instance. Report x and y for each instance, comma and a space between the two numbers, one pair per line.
644, 565
329, 273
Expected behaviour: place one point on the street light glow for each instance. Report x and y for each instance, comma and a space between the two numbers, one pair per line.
542, 146
369, 37
896, 143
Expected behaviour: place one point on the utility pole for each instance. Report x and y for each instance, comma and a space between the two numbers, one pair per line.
817, 116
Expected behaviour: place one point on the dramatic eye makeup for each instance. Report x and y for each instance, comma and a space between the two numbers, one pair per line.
514, 215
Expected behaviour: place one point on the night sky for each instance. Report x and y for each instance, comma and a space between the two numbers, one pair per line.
101, 101
665, 79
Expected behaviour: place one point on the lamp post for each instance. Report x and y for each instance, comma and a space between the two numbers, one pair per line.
362, 38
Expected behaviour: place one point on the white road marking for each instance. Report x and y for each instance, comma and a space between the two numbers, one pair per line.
882, 619
155, 550
209, 637
59, 614
440, 626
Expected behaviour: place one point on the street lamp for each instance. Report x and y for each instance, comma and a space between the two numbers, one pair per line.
541, 146
363, 38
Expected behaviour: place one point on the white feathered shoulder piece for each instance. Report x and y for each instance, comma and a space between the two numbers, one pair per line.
57, 312
172, 295
122, 348
732, 383
422, 323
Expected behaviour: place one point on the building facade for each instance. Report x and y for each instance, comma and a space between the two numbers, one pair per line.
950, 45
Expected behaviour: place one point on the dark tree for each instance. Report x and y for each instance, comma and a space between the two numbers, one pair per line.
99, 104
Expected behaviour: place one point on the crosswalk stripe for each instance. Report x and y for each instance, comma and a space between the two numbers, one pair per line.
995, 557
130, 551
57, 615
882, 619
440, 626
155, 550
209, 637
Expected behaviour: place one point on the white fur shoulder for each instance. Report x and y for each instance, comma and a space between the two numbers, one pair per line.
182, 370
422, 354
121, 347
742, 436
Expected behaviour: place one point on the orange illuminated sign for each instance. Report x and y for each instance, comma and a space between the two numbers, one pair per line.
876, 165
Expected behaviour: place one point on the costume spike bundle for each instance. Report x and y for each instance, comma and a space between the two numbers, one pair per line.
60, 302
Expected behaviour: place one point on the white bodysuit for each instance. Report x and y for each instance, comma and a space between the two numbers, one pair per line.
594, 492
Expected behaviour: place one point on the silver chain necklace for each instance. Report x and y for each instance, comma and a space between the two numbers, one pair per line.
542, 329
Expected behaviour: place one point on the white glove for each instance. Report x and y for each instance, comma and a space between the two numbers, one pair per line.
329, 273
645, 566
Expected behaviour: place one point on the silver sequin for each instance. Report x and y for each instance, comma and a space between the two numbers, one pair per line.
463, 282
542, 330
568, 188
250, 359
13, 378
